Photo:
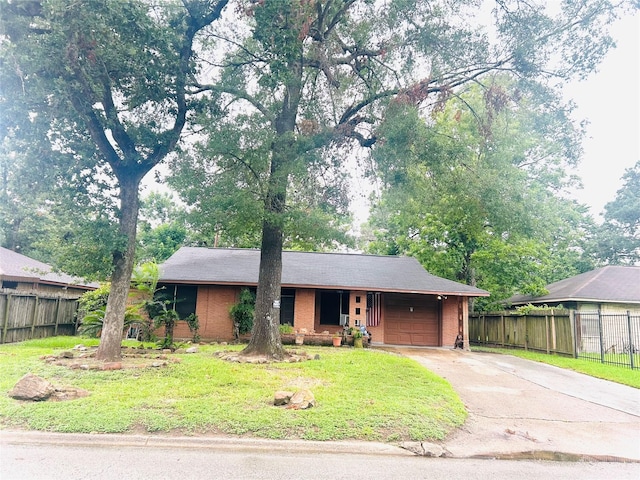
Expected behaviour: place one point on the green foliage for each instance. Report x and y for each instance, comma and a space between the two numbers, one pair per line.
93, 321
527, 309
194, 327
472, 194
618, 239
286, 329
93, 300
242, 312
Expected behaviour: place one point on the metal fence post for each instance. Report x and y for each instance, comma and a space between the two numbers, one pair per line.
632, 347
601, 335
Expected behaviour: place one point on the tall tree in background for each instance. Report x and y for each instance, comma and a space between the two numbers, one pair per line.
161, 229
473, 194
618, 238
312, 76
117, 73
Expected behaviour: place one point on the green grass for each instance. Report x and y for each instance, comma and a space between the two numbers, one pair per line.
360, 394
614, 373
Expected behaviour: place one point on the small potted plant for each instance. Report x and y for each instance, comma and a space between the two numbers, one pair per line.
357, 337
337, 339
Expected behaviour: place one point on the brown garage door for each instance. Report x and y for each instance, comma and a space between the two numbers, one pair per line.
406, 327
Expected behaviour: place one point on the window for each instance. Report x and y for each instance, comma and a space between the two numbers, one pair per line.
287, 304
182, 297
332, 304
8, 284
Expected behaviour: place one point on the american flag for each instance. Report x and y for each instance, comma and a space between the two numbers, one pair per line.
374, 309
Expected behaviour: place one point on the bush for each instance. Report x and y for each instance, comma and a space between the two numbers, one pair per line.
242, 312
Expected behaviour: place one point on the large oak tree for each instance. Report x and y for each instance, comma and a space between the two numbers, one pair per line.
118, 74
306, 78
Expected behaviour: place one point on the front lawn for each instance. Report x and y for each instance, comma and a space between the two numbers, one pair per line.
360, 394
614, 373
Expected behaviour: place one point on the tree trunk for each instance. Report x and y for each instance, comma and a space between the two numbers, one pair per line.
265, 335
109, 349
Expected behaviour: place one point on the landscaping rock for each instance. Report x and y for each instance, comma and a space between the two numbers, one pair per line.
66, 354
68, 393
282, 397
301, 400
31, 387
424, 449
112, 366
192, 350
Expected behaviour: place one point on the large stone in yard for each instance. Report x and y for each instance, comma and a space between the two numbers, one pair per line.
282, 398
302, 400
32, 387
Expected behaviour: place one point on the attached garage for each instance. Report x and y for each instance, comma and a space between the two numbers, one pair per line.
411, 320
394, 298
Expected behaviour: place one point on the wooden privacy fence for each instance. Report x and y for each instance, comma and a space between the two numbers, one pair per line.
612, 338
549, 331
25, 316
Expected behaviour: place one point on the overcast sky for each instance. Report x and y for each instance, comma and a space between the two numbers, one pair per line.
610, 100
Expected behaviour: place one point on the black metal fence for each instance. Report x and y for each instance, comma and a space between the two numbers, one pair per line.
608, 338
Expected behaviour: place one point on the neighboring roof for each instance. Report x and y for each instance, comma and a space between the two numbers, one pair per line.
18, 268
612, 284
195, 265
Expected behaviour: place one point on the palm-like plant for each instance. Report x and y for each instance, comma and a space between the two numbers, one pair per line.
92, 322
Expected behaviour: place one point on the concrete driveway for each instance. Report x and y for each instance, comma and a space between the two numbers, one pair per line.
523, 409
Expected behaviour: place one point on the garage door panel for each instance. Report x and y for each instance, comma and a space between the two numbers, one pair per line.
411, 320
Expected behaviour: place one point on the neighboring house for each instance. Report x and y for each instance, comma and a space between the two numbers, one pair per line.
606, 302
35, 301
610, 290
19, 273
394, 297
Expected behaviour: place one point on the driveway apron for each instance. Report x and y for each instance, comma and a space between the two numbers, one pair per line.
524, 409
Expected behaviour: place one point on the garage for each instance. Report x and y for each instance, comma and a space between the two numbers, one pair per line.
411, 320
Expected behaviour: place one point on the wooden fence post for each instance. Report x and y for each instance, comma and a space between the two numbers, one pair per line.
574, 332
5, 322
35, 315
546, 331
554, 344
55, 330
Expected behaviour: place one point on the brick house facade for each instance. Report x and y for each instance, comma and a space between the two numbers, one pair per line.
393, 297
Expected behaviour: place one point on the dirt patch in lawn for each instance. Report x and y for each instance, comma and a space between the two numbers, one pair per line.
83, 358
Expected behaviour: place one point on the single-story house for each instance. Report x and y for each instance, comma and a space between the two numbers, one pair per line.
606, 302
395, 298
34, 300
19, 273
610, 290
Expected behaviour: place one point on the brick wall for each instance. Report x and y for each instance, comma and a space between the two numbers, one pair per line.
454, 311
212, 308
356, 318
304, 315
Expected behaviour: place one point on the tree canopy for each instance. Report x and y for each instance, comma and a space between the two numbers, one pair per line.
115, 76
618, 238
276, 98
474, 193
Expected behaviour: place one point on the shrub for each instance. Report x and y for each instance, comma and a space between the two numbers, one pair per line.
242, 312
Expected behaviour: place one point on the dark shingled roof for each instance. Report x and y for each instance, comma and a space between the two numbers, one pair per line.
16, 267
196, 265
612, 284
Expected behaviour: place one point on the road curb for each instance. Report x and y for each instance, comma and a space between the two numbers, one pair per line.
220, 443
